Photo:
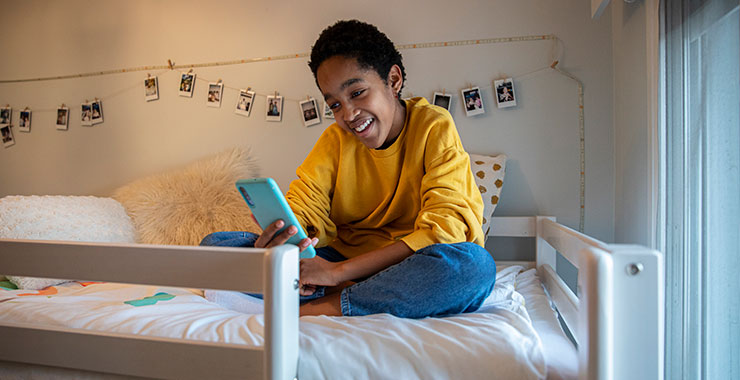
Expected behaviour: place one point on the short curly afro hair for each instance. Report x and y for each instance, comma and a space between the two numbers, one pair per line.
364, 42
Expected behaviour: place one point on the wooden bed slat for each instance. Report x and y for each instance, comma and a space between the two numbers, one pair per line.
568, 241
181, 266
127, 354
596, 335
513, 226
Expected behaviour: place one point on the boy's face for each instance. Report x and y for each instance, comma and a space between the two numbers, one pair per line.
363, 104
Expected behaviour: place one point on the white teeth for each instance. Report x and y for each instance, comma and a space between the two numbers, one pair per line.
364, 125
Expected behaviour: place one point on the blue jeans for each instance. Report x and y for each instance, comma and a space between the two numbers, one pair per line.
437, 280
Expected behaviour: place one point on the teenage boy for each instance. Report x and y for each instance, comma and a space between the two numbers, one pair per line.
386, 194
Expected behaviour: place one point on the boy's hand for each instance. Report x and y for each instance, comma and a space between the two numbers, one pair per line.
269, 239
317, 271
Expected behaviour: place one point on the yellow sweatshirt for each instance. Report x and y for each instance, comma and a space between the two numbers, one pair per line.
420, 190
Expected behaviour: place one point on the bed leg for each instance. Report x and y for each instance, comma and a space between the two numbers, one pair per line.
281, 313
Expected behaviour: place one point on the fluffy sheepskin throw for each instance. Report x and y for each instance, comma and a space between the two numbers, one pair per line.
181, 207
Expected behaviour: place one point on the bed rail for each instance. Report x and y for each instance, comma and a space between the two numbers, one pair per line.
618, 315
271, 271
617, 318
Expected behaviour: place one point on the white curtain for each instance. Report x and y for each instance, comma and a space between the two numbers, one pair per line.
700, 187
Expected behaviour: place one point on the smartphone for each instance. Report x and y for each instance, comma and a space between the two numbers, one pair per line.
264, 198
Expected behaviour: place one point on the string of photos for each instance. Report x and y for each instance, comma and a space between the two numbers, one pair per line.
311, 112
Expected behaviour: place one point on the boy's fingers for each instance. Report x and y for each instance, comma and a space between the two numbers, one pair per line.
307, 290
275, 226
305, 243
267, 236
284, 236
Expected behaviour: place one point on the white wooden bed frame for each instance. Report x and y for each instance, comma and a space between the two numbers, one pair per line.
617, 319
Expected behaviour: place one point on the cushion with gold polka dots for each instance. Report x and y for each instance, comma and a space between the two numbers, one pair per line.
489, 176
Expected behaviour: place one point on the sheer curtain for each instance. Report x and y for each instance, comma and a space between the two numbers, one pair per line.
700, 187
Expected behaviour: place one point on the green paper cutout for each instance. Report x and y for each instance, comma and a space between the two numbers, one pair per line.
7, 285
151, 300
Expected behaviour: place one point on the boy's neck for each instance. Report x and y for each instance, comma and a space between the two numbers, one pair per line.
399, 120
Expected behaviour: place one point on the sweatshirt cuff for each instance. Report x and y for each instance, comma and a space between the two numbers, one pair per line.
419, 239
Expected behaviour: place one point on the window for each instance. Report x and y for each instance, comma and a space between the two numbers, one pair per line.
700, 187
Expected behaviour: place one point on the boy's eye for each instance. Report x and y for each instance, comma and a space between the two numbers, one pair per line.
334, 106
357, 93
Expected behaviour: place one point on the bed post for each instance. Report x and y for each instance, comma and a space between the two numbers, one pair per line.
639, 323
281, 313
596, 316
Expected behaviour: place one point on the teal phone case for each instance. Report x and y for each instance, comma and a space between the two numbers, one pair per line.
264, 198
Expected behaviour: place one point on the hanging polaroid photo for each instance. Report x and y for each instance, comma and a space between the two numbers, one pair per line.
8, 139
187, 84
5, 114
97, 112
505, 92
328, 113
309, 112
244, 102
274, 108
442, 99
472, 101
215, 91
151, 88
86, 119
62, 118
24, 121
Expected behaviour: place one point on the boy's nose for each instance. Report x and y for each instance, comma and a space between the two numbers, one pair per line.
350, 113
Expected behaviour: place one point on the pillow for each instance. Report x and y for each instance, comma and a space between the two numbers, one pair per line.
71, 218
181, 207
489, 176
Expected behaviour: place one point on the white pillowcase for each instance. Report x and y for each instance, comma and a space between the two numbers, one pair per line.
70, 218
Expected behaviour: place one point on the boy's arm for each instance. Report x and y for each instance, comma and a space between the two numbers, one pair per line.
309, 196
451, 204
318, 271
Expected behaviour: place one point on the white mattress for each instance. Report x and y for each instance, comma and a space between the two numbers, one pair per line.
503, 340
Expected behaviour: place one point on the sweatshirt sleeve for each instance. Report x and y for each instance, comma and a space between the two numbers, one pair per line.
310, 195
451, 204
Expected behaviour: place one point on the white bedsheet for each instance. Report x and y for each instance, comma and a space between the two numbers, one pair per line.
497, 342
560, 353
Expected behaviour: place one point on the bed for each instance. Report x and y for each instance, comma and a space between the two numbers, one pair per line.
172, 311
267, 346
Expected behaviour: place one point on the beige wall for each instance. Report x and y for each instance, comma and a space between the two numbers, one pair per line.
138, 138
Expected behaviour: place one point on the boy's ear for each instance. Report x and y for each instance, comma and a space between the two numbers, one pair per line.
395, 79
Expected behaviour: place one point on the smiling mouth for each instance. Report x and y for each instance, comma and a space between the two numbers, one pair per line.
363, 125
